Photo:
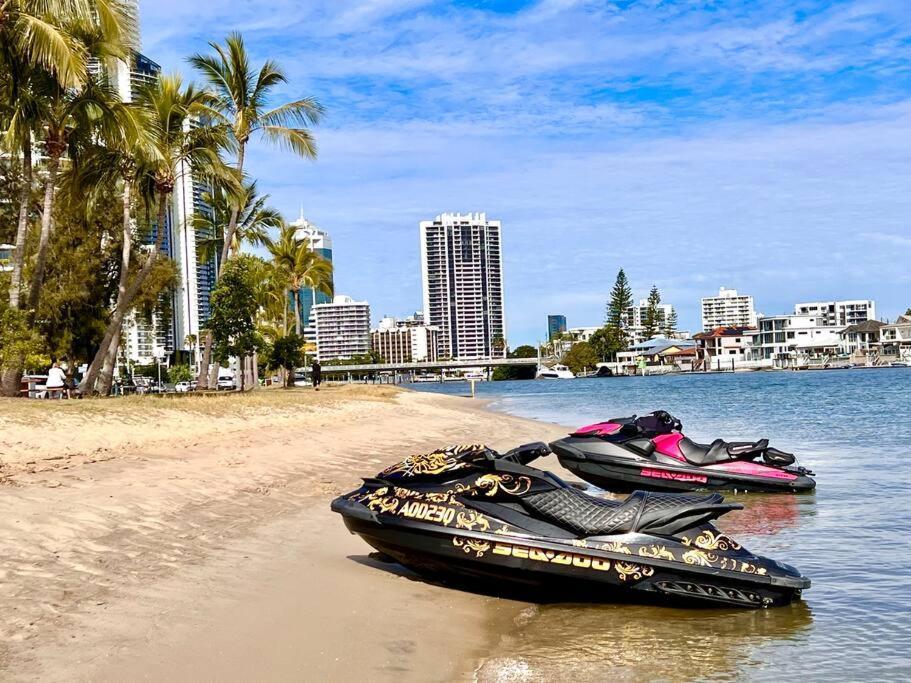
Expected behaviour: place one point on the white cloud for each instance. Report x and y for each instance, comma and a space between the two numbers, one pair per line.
695, 148
889, 238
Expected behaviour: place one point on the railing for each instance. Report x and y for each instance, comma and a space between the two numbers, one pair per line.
435, 365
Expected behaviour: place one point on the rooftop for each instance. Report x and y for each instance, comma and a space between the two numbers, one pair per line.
723, 331
865, 326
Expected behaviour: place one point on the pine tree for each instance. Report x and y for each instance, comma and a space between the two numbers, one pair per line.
652, 314
621, 299
670, 325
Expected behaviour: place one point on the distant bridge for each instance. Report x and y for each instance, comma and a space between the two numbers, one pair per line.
429, 366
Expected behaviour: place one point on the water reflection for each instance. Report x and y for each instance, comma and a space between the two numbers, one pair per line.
766, 514
624, 642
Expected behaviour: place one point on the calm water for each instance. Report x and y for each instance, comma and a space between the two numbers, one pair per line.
852, 537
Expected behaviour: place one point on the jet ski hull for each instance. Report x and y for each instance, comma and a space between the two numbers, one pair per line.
547, 570
615, 469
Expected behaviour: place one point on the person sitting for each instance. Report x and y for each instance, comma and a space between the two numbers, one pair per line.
56, 381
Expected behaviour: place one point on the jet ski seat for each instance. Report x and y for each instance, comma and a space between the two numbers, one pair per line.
645, 511
722, 451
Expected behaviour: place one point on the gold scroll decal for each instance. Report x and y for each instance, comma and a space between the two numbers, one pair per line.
581, 561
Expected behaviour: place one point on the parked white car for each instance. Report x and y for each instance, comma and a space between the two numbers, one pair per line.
225, 382
183, 387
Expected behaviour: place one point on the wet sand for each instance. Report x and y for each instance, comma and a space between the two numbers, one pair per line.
191, 539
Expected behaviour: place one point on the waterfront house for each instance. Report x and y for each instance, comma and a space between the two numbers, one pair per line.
796, 341
724, 347
895, 339
861, 340
658, 351
682, 358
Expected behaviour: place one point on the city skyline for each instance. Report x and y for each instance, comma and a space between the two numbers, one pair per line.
748, 146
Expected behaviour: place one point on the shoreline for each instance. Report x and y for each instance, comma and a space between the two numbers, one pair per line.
151, 540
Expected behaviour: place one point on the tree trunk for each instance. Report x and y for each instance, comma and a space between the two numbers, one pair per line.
213, 375
255, 371
285, 314
202, 381
115, 325
10, 379
22, 228
241, 375
47, 226
297, 317
202, 378
235, 211
106, 376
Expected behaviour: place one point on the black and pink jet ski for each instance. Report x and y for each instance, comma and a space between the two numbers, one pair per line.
651, 452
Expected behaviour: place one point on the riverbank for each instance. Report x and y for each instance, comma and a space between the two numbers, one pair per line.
191, 538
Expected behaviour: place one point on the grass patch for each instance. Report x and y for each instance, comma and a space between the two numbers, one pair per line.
215, 404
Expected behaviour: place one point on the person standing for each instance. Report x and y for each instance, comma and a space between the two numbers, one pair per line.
56, 381
316, 374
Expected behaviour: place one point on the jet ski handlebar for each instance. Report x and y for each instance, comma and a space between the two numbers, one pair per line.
526, 453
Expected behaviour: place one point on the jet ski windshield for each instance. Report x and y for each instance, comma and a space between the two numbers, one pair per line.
654, 424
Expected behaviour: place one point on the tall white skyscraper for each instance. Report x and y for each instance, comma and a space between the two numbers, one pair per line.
728, 309
462, 268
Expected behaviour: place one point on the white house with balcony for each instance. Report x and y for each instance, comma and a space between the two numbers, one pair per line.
895, 339
861, 340
795, 340
839, 313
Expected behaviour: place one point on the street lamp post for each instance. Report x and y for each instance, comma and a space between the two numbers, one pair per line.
159, 353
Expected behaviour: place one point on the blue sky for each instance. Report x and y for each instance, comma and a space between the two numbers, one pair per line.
759, 145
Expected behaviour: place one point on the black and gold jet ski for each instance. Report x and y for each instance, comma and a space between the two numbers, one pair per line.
473, 513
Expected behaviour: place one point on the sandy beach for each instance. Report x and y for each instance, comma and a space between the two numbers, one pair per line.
190, 538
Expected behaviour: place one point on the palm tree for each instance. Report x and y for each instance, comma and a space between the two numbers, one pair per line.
119, 158
240, 101
253, 223
36, 34
300, 267
45, 46
175, 144
21, 118
86, 112
45, 42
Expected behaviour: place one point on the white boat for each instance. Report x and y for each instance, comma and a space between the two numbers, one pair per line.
899, 364
556, 372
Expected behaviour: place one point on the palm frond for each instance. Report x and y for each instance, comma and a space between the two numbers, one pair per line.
298, 140
53, 48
